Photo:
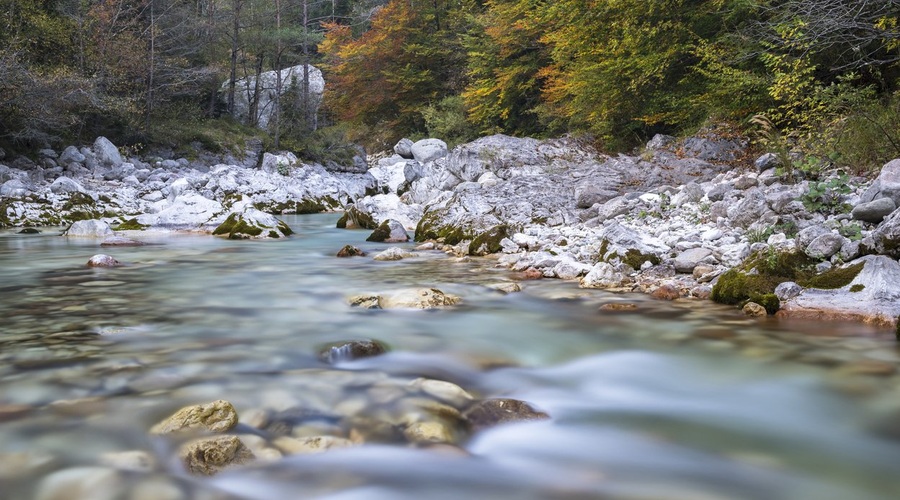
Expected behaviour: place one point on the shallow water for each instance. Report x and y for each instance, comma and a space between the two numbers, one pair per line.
674, 400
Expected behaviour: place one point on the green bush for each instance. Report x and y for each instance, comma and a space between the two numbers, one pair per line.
446, 120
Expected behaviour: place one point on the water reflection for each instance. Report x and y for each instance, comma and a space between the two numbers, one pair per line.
659, 400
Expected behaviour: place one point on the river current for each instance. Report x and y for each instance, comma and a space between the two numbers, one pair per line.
669, 400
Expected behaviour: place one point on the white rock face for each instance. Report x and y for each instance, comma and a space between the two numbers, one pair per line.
64, 185
293, 76
90, 229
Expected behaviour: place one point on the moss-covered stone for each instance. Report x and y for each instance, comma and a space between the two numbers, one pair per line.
833, 278
4, 213
430, 228
131, 225
354, 219
768, 300
236, 228
636, 259
857, 288
489, 241
381, 233
309, 207
29, 230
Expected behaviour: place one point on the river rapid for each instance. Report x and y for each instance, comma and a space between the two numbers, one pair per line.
669, 400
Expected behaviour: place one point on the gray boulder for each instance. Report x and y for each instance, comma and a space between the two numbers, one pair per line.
107, 154
390, 231
874, 211
71, 155
14, 188
750, 210
807, 235
766, 162
887, 185
428, 150
718, 191
825, 245
686, 261
64, 185
404, 148
89, 229
588, 196
690, 193
787, 290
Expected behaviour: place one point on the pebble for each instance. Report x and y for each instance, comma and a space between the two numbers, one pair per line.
209, 456
218, 416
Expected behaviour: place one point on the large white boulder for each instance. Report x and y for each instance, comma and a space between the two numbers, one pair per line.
428, 150
107, 154
265, 112
89, 229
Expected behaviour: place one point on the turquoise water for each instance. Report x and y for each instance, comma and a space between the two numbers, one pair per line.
674, 400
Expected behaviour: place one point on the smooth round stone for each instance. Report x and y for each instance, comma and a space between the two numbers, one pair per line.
136, 460
445, 391
96, 483
317, 444
429, 432
157, 488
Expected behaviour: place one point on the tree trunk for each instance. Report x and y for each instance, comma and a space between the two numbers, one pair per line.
277, 65
236, 30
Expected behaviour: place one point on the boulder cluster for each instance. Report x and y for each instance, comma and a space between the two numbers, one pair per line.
681, 218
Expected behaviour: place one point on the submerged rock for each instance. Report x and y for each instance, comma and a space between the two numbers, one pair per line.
492, 412
354, 349
209, 456
413, 298
393, 253
218, 416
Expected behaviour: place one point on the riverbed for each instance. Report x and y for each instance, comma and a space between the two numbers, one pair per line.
653, 400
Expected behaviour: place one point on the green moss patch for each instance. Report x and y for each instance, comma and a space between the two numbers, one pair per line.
131, 225
380, 233
636, 259
488, 242
429, 228
857, 288
236, 228
78, 200
354, 219
833, 278
309, 207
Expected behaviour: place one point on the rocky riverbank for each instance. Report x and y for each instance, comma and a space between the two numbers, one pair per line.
696, 218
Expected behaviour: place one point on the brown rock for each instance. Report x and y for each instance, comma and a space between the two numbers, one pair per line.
210, 456
618, 307
491, 412
354, 349
350, 251
754, 309
869, 367
121, 241
532, 274
666, 292
218, 416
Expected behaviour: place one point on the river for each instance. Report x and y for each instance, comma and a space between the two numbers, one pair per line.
670, 400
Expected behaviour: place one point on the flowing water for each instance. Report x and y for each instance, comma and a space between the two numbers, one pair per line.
670, 400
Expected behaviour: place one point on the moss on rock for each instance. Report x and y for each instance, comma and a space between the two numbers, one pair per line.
381, 233
636, 259
236, 228
833, 278
857, 288
78, 199
131, 225
768, 300
309, 207
429, 228
355, 219
489, 241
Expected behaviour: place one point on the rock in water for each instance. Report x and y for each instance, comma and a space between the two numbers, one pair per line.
218, 416
348, 351
414, 298
350, 251
103, 260
390, 231
211, 455
492, 412
252, 224
89, 229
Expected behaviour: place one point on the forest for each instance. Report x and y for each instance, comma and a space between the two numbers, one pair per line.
816, 77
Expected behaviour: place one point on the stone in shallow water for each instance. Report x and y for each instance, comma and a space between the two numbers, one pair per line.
218, 416
414, 298
492, 412
393, 253
96, 483
210, 456
754, 309
121, 241
306, 445
350, 251
103, 260
354, 349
